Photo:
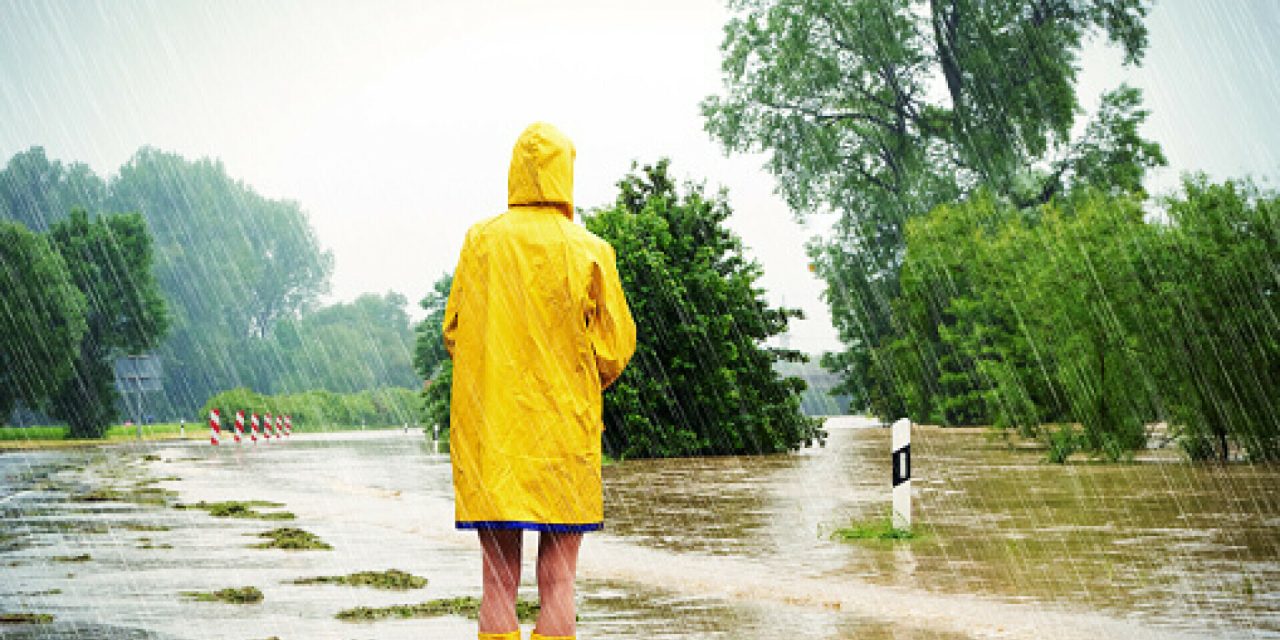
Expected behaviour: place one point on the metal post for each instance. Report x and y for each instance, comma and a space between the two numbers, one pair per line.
901, 448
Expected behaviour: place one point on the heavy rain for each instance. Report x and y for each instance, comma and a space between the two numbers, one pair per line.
954, 320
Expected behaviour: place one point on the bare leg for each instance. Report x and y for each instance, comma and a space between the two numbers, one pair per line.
501, 551
557, 569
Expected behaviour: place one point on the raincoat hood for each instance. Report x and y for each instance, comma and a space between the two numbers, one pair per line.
542, 169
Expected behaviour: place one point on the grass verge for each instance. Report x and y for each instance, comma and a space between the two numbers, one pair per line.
49, 437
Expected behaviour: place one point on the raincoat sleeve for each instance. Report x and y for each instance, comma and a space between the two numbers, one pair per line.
460, 275
609, 323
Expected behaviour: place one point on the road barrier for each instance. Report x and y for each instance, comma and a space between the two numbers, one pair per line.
215, 427
278, 426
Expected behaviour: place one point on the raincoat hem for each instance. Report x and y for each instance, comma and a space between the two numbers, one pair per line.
529, 526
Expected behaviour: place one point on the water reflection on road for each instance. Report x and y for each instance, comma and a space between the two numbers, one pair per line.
704, 548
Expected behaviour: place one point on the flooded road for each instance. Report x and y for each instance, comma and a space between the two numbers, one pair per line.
704, 548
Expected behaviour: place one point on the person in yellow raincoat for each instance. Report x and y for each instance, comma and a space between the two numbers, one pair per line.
537, 326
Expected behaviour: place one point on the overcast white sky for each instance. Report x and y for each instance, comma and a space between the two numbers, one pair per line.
392, 122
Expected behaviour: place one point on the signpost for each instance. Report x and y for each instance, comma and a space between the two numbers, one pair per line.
136, 375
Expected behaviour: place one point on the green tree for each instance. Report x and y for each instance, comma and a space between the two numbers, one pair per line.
429, 354
343, 347
1216, 338
1090, 290
436, 398
702, 381
37, 192
1045, 316
431, 360
42, 318
962, 319
840, 95
109, 259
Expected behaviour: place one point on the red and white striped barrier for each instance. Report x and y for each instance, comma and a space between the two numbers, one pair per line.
215, 427
278, 426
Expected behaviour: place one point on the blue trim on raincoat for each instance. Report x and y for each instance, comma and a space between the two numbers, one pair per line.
530, 526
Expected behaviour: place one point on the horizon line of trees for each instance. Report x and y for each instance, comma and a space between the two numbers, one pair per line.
240, 275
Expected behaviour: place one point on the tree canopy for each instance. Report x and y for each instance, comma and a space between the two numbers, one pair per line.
42, 320
881, 110
110, 259
231, 262
242, 276
702, 380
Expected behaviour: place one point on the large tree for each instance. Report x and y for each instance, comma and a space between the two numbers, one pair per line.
344, 347
109, 259
231, 262
882, 109
702, 380
430, 358
1217, 330
42, 318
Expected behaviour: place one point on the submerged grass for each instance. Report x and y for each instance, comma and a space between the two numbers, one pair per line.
232, 595
240, 509
881, 529
291, 539
148, 543
25, 618
392, 579
84, 557
145, 526
138, 495
467, 606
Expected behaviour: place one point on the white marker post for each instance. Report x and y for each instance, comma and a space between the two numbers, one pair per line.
901, 448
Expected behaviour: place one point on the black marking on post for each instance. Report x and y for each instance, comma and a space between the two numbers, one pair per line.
902, 465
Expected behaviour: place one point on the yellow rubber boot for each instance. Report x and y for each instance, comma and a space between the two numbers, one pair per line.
538, 636
510, 635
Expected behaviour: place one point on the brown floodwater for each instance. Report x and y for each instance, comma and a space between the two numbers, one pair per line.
1189, 546
732, 547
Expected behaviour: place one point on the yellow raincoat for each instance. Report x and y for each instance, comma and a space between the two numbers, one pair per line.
538, 327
